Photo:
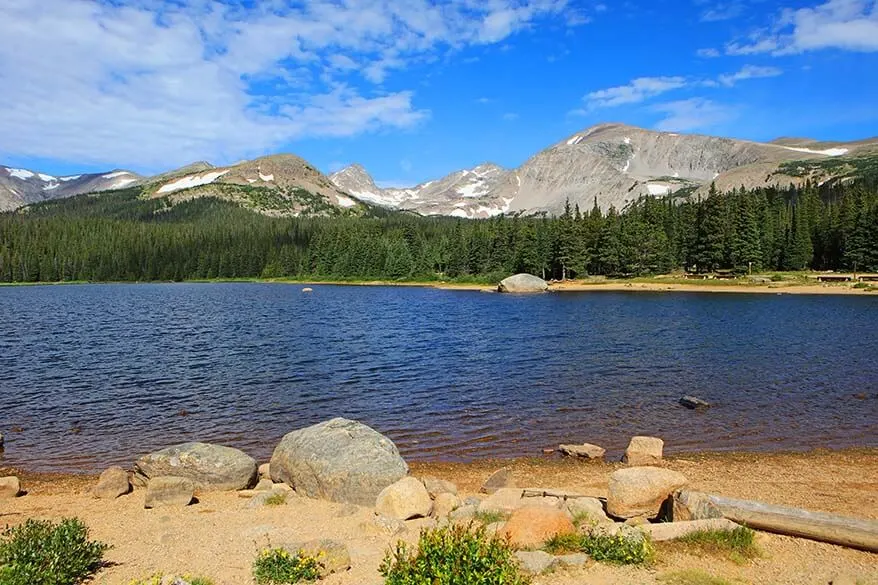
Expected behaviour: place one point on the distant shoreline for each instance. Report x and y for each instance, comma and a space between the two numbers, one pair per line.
653, 285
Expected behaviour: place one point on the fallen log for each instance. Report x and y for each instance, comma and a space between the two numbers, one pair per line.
850, 532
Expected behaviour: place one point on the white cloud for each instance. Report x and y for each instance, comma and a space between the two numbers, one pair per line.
722, 12
692, 114
636, 91
850, 25
150, 84
748, 72
708, 53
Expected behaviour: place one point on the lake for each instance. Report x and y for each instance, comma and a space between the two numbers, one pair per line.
94, 375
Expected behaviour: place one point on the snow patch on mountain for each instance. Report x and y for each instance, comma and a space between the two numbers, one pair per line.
346, 201
266, 178
192, 181
116, 174
827, 152
22, 174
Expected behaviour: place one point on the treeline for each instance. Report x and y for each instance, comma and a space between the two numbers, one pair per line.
120, 237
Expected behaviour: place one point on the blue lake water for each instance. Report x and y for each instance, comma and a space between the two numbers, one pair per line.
97, 374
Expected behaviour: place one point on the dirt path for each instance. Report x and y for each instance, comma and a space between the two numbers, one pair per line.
219, 536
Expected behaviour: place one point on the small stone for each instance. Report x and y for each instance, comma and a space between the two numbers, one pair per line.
384, 525
590, 510
694, 402
264, 471
584, 451
112, 484
436, 486
531, 526
10, 487
445, 504
333, 556
573, 560
264, 485
535, 562
643, 451
405, 499
502, 478
169, 491
275, 497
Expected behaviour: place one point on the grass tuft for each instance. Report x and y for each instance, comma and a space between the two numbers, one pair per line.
276, 566
276, 499
621, 549
739, 545
489, 517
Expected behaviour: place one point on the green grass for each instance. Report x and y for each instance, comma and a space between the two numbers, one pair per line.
157, 580
44, 553
455, 555
691, 577
620, 549
738, 545
276, 566
276, 499
489, 517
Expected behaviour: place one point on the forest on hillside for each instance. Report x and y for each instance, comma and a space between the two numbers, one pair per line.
120, 236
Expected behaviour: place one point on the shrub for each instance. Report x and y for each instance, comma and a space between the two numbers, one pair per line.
622, 549
457, 555
44, 553
276, 499
275, 566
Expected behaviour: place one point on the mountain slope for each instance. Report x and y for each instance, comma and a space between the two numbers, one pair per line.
19, 187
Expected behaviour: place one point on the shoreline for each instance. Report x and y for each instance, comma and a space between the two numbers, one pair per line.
653, 285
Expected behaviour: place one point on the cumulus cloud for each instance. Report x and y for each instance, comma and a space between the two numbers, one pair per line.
692, 114
850, 25
152, 84
638, 90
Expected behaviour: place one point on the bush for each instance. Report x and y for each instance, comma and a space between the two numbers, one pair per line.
457, 555
44, 553
620, 549
276, 499
275, 566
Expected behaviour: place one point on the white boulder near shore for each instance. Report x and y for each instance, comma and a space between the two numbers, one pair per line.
523, 283
210, 467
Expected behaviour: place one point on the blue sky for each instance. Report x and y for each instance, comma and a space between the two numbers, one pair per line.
415, 89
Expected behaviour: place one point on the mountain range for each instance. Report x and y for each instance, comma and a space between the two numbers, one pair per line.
611, 164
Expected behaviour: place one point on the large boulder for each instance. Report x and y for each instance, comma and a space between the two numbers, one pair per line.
531, 526
210, 467
523, 283
502, 478
165, 491
10, 487
112, 484
694, 506
405, 499
641, 491
644, 451
339, 460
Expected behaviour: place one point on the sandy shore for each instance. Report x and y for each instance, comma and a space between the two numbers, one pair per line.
774, 288
218, 537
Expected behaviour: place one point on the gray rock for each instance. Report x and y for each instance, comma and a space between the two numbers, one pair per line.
384, 525
436, 486
584, 451
504, 501
644, 451
264, 471
466, 512
10, 487
210, 467
276, 497
694, 506
164, 491
405, 499
339, 460
573, 560
502, 478
112, 484
672, 530
641, 491
694, 402
264, 485
523, 283
589, 510
472, 501
535, 562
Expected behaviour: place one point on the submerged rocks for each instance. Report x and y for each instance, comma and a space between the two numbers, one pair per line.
112, 484
211, 467
10, 487
165, 491
523, 283
531, 526
640, 491
405, 499
584, 451
694, 402
339, 460
644, 451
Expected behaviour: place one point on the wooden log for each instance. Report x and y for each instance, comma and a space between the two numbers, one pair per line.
850, 532
672, 530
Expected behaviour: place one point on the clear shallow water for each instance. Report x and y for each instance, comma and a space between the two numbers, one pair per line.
98, 374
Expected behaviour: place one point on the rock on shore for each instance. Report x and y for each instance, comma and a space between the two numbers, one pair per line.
339, 460
523, 283
211, 467
640, 491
